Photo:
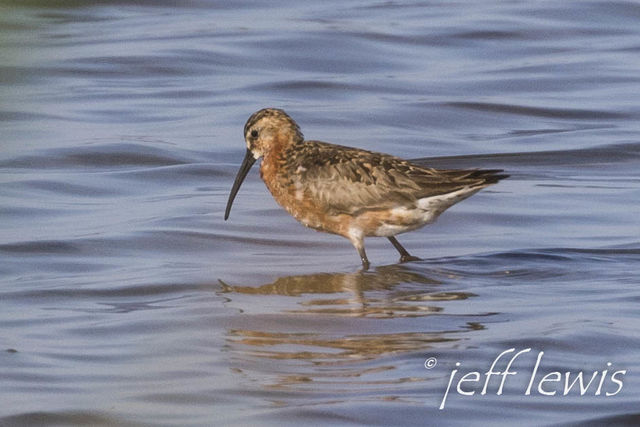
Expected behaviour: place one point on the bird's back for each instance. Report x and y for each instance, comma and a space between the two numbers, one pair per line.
347, 180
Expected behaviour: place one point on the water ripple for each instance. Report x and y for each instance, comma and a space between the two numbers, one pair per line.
127, 299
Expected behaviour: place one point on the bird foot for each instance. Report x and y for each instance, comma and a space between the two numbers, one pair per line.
408, 258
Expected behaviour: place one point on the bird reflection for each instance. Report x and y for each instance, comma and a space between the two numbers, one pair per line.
340, 326
390, 291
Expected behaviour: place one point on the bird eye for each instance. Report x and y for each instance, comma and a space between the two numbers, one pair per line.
254, 133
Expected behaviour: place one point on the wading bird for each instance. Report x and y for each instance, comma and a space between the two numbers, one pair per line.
348, 191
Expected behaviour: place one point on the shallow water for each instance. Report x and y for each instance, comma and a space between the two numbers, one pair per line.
125, 299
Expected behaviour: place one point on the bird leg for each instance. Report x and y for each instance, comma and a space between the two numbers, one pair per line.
358, 243
404, 255
363, 258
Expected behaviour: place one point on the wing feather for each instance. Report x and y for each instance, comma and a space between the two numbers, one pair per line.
346, 180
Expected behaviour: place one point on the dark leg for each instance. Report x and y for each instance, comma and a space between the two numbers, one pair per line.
363, 257
404, 255
358, 243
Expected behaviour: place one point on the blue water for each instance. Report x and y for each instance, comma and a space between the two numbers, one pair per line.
125, 299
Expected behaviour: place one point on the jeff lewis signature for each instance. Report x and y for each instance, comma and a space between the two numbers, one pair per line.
539, 380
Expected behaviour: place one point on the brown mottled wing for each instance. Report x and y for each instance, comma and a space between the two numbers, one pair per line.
345, 179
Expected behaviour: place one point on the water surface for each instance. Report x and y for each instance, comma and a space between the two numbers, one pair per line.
125, 299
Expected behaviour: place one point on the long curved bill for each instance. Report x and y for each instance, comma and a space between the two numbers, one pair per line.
248, 161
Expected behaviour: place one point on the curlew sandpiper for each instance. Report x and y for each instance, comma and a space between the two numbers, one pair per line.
348, 191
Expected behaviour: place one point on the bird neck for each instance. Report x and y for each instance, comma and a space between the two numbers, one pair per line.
278, 146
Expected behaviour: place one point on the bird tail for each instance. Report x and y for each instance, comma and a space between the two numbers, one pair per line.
476, 177
488, 176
